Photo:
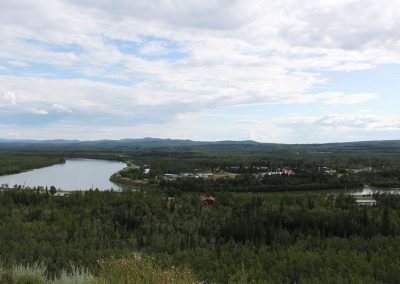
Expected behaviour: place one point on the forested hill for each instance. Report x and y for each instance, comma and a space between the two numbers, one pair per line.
159, 142
148, 141
217, 147
126, 149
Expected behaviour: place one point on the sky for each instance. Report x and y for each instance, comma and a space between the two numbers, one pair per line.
282, 71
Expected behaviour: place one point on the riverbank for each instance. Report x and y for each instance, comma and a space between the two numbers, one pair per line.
387, 185
118, 179
14, 165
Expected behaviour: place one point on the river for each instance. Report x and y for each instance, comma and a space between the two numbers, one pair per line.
368, 190
74, 174
83, 174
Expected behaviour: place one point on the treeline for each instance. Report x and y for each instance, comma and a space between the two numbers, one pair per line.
10, 164
274, 238
252, 183
246, 157
383, 178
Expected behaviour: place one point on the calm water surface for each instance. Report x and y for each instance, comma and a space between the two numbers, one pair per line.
367, 190
75, 174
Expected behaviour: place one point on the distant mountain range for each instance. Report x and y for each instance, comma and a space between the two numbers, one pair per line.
148, 141
32, 141
159, 142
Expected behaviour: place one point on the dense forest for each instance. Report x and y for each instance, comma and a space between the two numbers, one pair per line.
250, 183
255, 232
244, 237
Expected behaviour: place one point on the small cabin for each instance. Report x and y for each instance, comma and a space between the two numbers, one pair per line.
288, 171
366, 202
170, 176
209, 175
209, 200
61, 194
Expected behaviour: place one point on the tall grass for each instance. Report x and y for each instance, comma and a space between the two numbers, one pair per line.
77, 275
113, 270
142, 270
23, 274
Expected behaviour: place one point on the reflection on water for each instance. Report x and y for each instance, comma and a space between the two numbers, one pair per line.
367, 190
75, 174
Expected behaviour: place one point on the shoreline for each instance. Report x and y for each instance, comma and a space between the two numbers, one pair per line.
63, 161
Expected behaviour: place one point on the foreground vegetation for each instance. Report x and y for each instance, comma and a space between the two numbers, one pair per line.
127, 270
268, 238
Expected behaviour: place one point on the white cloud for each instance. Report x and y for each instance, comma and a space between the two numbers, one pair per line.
39, 111
348, 99
153, 47
365, 122
317, 129
9, 98
61, 108
17, 63
214, 54
13, 134
90, 97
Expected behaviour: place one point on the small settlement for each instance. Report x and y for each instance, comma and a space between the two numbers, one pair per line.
188, 175
284, 171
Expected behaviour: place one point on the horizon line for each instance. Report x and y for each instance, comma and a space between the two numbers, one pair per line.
18, 140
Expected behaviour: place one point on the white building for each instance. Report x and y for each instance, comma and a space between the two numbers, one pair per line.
366, 202
61, 194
